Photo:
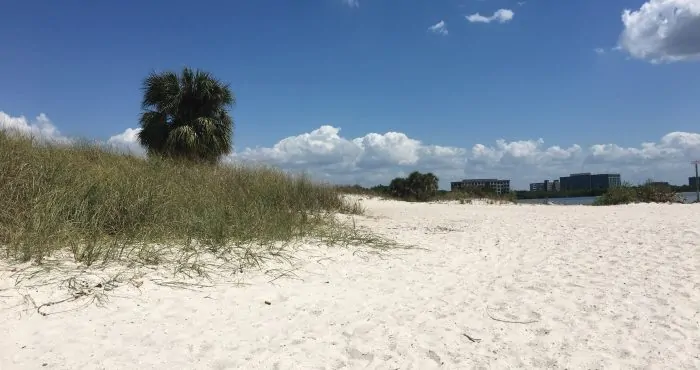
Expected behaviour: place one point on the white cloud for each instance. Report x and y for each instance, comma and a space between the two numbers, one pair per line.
439, 28
352, 3
674, 147
127, 142
370, 159
41, 128
599, 51
376, 158
500, 16
662, 31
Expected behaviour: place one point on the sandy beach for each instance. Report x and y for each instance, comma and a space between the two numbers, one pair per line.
486, 287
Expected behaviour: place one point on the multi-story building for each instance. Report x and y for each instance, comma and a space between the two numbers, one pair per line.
693, 182
605, 181
587, 181
576, 181
498, 186
537, 186
547, 185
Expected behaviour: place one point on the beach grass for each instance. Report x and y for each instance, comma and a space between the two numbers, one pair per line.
99, 206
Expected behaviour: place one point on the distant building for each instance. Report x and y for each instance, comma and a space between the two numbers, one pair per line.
499, 186
659, 183
693, 182
537, 186
605, 181
556, 185
587, 181
547, 185
550, 185
576, 181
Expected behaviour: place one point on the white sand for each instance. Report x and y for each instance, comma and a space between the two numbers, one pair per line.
598, 287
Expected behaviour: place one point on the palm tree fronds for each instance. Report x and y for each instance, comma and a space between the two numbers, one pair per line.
186, 116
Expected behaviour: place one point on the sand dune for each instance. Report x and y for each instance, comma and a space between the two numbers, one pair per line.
488, 286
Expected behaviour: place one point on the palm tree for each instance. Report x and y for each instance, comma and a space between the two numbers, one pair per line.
423, 185
186, 116
399, 187
431, 183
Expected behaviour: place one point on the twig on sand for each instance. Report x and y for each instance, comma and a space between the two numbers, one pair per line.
323, 259
48, 304
196, 287
283, 274
80, 289
475, 340
509, 321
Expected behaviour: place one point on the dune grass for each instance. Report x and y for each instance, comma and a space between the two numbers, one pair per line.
99, 207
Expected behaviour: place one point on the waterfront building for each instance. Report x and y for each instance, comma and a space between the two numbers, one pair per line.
586, 181
498, 186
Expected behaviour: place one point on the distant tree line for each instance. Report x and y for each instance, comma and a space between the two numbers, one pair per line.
525, 194
417, 186
683, 188
423, 187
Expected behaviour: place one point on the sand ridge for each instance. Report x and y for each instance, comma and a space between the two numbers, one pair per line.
487, 286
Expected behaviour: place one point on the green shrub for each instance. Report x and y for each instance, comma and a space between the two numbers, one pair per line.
420, 187
646, 193
657, 193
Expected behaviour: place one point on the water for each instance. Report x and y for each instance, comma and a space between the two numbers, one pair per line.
689, 198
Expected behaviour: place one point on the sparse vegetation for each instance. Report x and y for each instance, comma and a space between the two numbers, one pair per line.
648, 192
103, 207
468, 194
418, 187
177, 206
526, 194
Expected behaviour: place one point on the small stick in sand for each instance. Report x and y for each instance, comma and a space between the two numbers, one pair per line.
509, 321
475, 340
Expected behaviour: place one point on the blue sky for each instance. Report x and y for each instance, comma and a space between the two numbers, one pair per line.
364, 91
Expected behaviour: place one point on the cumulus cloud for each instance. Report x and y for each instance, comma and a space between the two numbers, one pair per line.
352, 3
127, 142
376, 158
674, 147
41, 128
370, 159
500, 16
662, 31
439, 28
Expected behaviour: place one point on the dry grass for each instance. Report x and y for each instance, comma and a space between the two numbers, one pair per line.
100, 207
